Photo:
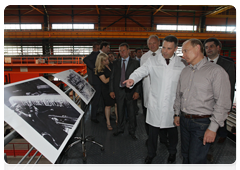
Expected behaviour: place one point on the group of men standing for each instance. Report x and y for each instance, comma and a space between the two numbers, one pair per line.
193, 92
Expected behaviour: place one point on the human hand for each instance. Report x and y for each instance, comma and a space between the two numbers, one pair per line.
209, 136
112, 94
135, 96
128, 82
177, 120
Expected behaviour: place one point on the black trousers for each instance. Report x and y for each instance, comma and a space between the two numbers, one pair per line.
172, 134
222, 131
95, 101
145, 115
123, 102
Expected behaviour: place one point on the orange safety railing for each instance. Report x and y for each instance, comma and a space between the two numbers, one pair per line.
43, 60
16, 151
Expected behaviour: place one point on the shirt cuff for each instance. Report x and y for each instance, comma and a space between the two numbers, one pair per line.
177, 112
213, 126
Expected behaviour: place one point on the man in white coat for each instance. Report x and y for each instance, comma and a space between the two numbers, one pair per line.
153, 43
163, 70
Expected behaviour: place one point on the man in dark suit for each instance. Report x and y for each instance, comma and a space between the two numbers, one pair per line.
212, 48
220, 47
96, 47
96, 82
125, 98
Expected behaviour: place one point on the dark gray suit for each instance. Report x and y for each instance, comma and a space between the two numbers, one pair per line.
94, 81
124, 96
230, 68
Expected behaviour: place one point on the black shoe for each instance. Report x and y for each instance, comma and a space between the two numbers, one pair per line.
117, 133
148, 160
210, 157
171, 158
134, 137
95, 120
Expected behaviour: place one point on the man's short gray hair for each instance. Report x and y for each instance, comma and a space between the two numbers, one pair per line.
153, 36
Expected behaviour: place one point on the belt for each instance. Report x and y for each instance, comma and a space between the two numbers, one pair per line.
189, 116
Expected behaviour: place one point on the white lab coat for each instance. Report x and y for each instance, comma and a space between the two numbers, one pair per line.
164, 80
146, 80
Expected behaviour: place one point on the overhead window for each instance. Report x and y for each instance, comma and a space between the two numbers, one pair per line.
72, 26
83, 26
11, 26
221, 28
72, 50
31, 26
23, 50
177, 27
22, 26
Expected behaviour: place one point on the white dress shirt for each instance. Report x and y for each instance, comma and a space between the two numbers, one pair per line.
214, 60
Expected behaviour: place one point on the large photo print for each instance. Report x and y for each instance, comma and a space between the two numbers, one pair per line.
77, 83
44, 111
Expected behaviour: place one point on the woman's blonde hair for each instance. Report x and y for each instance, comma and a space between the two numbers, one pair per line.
98, 64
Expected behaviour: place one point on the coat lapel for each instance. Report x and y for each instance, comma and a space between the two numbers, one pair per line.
128, 66
220, 61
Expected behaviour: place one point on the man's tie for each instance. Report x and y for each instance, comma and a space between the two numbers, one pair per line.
167, 61
211, 61
123, 73
153, 54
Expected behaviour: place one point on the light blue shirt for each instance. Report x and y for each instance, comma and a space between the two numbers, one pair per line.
126, 62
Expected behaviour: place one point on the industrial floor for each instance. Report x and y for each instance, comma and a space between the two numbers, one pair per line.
123, 149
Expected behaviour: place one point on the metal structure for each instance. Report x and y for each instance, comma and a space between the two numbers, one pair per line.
22, 68
133, 33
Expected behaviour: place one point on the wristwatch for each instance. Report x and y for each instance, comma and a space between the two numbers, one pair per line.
176, 115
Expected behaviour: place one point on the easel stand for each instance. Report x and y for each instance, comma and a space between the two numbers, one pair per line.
83, 139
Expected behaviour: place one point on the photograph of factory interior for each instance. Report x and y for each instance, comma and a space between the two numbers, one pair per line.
145, 110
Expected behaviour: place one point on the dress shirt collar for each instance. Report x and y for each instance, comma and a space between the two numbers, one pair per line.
126, 62
199, 64
157, 52
101, 51
138, 59
214, 60
127, 59
170, 59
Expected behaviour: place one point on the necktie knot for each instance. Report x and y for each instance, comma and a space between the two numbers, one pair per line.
167, 60
211, 61
153, 54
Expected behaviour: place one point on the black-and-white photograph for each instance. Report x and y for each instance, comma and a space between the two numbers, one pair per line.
41, 108
77, 83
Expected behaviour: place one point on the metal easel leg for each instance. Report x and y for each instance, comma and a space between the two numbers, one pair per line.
84, 139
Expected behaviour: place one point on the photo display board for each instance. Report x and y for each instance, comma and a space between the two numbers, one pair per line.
77, 83
42, 114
